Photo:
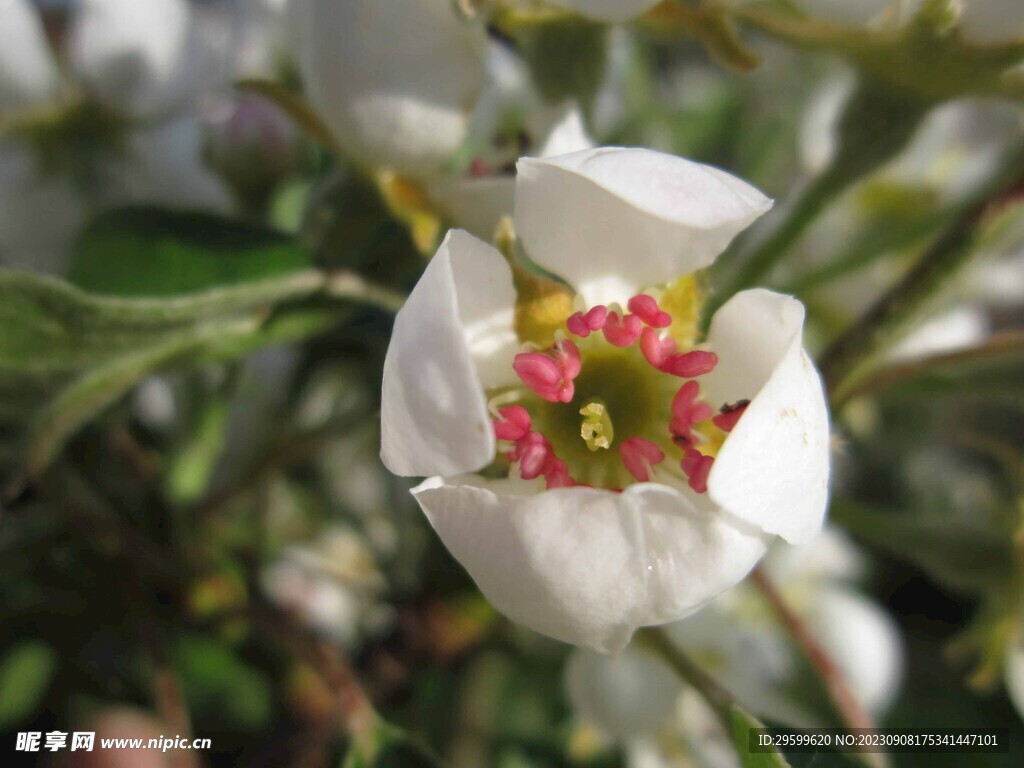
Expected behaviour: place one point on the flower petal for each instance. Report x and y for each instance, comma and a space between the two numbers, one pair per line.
28, 73
144, 59
453, 337
623, 696
989, 22
586, 214
772, 470
608, 10
588, 566
394, 79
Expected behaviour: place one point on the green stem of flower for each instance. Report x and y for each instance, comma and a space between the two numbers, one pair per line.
656, 640
1002, 345
350, 286
885, 320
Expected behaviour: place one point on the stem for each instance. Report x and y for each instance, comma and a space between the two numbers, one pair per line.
883, 321
847, 706
350, 286
717, 697
1000, 345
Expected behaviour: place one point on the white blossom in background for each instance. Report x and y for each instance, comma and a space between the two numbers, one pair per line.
142, 59
991, 22
861, 13
1013, 674
162, 164
40, 211
634, 699
28, 74
395, 80
614, 399
333, 585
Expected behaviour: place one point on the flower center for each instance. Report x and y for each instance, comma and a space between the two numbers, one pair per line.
612, 401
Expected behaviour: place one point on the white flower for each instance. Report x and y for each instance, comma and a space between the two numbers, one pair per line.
589, 565
860, 13
396, 80
1013, 673
28, 75
608, 10
143, 59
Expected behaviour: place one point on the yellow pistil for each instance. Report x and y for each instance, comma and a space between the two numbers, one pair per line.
596, 430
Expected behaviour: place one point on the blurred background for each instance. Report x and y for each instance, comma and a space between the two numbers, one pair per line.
197, 536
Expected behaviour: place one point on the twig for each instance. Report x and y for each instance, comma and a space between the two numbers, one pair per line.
993, 348
839, 693
717, 697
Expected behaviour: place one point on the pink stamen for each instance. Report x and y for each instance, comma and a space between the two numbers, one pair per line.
656, 350
647, 309
557, 474
686, 412
697, 467
583, 324
514, 423
729, 415
638, 456
533, 452
478, 168
691, 364
567, 357
622, 331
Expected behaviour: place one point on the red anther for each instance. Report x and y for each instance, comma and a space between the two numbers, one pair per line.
556, 474
647, 309
533, 452
656, 350
729, 415
583, 324
567, 357
622, 331
478, 168
686, 412
697, 467
639, 455
691, 364
540, 373
513, 424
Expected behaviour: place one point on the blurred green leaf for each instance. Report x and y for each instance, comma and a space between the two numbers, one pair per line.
567, 56
153, 252
80, 352
25, 674
221, 687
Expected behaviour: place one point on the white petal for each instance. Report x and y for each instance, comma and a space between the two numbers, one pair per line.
588, 566
475, 203
612, 221
395, 80
28, 74
958, 327
452, 338
608, 10
163, 165
40, 213
772, 470
1013, 675
566, 134
989, 22
863, 641
142, 58
622, 696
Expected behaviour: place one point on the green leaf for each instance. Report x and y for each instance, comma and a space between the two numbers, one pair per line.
220, 686
152, 252
67, 355
567, 56
25, 674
